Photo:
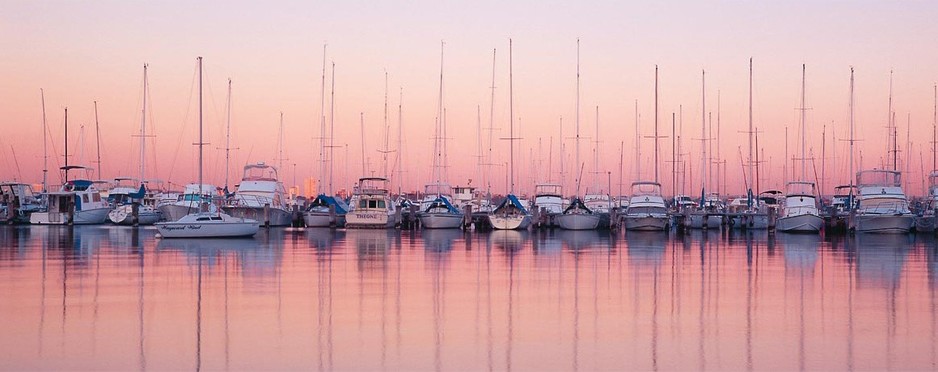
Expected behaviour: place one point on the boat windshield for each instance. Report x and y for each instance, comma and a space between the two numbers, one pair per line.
548, 190
879, 178
372, 204
372, 185
646, 188
259, 172
436, 189
799, 188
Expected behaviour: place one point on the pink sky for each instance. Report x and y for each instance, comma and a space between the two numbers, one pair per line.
82, 52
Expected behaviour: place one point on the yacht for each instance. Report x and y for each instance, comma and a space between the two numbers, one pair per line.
709, 215
646, 210
371, 205
78, 203
799, 211
577, 216
187, 202
17, 202
548, 199
882, 206
260, 196
926, 219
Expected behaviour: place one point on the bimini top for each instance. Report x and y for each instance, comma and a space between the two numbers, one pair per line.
324, 200
512, 201
373, 185
259, 172
799, 188
548, 189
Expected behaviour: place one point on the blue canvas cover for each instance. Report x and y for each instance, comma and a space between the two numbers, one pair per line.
325, 201
442, 201
512, 200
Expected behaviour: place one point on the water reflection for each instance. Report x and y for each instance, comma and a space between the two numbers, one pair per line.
107, 297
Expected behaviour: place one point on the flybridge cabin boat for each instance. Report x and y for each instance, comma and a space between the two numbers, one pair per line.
646, 210
17, 202
371, 205
123, 196
78, 202
800, 212
326, 211
436, 210
577, 216
510, 215
548, 198
187, 202
260, 196
882, 206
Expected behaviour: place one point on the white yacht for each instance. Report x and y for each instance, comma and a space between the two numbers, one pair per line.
577, 216
187, 202
709, 215
882, 206
799, 210
371, 205
548, 198
437, 210
260, 196
78, 203
18, 202
646, 210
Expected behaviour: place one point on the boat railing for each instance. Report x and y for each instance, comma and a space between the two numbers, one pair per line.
246, 200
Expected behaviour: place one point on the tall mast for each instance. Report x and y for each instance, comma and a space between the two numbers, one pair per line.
228, 134
934, 130
201, 143
804, 142
703, 132
749, 160
361, 118
656, 124
488, 183
596, 155
889, 125
437, 142
143, 125
97, 141
511, 121
66, 145
280, 145
322, 125
638, 146
45, 151
400, 139
387, 128
332, 134
577, 164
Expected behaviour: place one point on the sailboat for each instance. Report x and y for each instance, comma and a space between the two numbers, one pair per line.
510, 214
436, 209
206, 223
577, 216
883, 206
752, 217
78, 202
127, 197
926, 222
799, 211
705, 216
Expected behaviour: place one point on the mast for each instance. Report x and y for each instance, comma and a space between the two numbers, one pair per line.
703, 134
361, 118
332, 134
638, 146
890, 125
437, 141
934, 130
750, 174
804, 141
322, 125
228, 134
45, 152
400, 139
511, 121
143, 126
280, 145
577, 165
97, 141
387, 128
656, 125
596, 155
488, 183
66, 145
201, 142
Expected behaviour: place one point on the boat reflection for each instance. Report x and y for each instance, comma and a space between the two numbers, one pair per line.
880, 258
800, 250
323, 238
646, 248
440, 240
371, 247
510, 241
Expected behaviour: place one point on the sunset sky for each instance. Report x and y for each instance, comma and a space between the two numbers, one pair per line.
81, 52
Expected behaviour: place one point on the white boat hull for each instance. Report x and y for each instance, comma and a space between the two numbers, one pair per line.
86, 217
511, 222
441, 220
369, 220
703, 221
173, 212
320, 219
806, 223
883, 224
123, 215
645, 223
190, 228
278, 217
577, 221
751, 221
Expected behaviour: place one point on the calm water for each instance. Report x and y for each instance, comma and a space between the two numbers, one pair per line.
116, 298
